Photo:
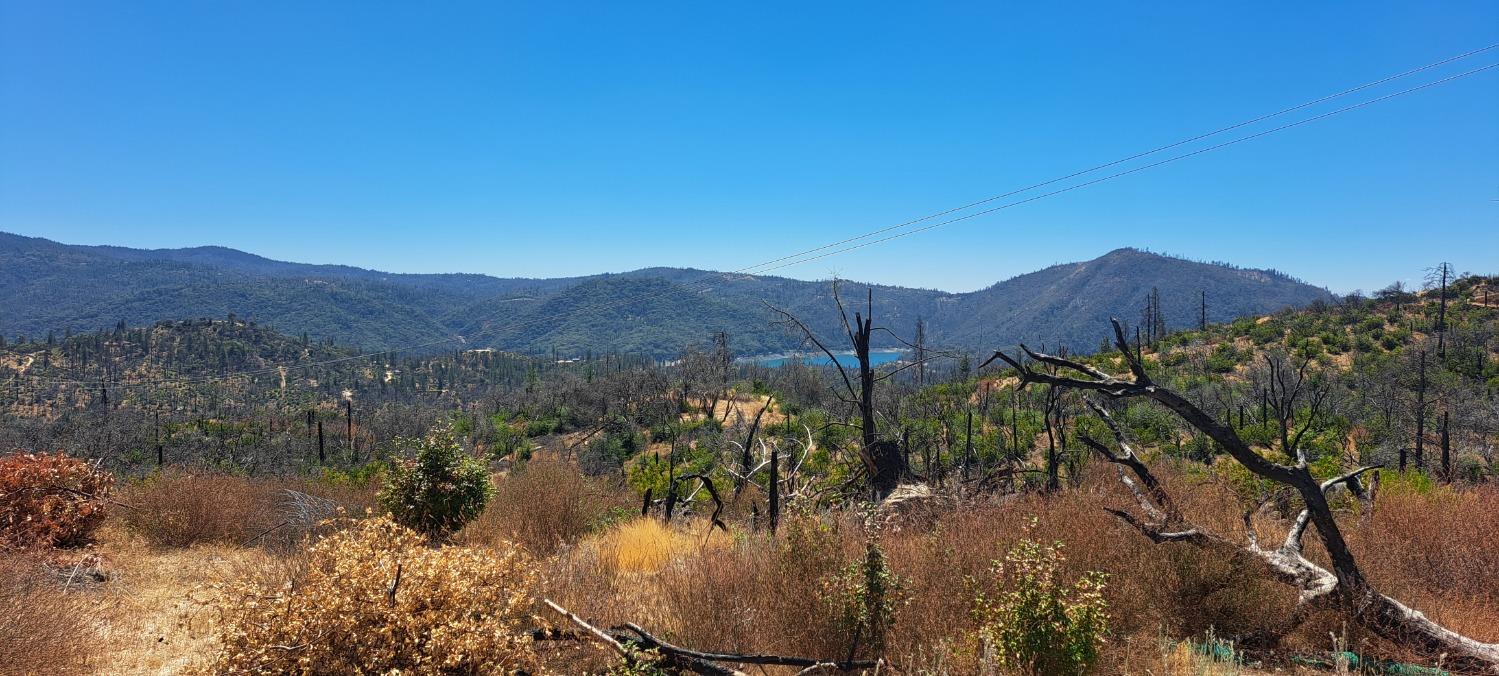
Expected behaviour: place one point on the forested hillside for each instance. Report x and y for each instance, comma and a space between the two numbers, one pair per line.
53, 287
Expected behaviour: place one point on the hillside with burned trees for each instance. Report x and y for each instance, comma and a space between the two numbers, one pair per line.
1309, 490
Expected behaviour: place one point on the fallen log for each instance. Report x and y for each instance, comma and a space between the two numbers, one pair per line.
636, 645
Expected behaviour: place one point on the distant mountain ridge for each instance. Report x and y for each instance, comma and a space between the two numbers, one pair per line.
48, 286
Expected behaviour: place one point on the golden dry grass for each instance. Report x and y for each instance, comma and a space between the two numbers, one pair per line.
643, 546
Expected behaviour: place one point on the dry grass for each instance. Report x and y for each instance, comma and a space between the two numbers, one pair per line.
44, 628
545, 505
746, 591
159, 612
1435, 552
181, 508
762, 595
643, 546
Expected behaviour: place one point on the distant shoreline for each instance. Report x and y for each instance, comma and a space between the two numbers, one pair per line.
787, 356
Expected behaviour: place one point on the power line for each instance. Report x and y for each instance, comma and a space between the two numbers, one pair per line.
1144, 167
803, 257
1130, 158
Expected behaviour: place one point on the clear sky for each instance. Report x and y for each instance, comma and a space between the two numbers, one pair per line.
562, 138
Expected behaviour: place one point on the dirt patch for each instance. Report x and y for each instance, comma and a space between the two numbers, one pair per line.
157, 613
743, 409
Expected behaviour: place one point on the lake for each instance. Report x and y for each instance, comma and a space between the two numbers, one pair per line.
876, 358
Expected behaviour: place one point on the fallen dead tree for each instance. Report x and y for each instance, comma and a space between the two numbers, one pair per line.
1342, 588
635, 645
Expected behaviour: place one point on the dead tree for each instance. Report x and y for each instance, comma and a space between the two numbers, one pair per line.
1051, 416
1341, 587
882, 458
1420, 417
1286, 390
745, 459
1438, 277
920, 352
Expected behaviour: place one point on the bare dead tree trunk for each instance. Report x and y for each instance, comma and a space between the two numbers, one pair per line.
1343, 587
1420, 415
775, 488
1446, 448
882, 458
1202, 311
746, 461
968, 445
349, 429
1048, 417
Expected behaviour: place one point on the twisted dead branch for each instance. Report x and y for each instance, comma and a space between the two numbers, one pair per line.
1343, 587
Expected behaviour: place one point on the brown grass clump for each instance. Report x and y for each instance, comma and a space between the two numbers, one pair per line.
545, 505
181, 509
375, 598
43, 629
1435, 552
50, 500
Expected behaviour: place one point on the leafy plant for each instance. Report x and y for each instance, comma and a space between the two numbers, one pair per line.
867, 593
1037, 623
440, 489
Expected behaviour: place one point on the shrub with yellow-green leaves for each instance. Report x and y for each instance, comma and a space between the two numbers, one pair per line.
1036, 623
376, 598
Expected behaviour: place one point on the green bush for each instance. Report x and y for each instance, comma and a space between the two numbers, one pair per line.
505, 439
615, 444
440, 489
1036, 623
867, 593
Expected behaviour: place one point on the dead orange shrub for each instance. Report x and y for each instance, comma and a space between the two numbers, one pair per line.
375, 598
1435, 551
50, 500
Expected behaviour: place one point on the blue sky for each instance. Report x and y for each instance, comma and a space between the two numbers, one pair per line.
569, 138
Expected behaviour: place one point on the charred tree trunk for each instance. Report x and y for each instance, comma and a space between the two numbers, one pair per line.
881, 457
1446, 448
1420, 416
775, 488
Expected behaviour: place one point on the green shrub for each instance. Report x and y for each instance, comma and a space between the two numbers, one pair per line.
1036, 623
1266, 333
358, 476
506, 439
866, 593
439, 489
615, 444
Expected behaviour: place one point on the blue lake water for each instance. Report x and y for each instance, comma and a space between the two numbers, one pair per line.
876, 357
